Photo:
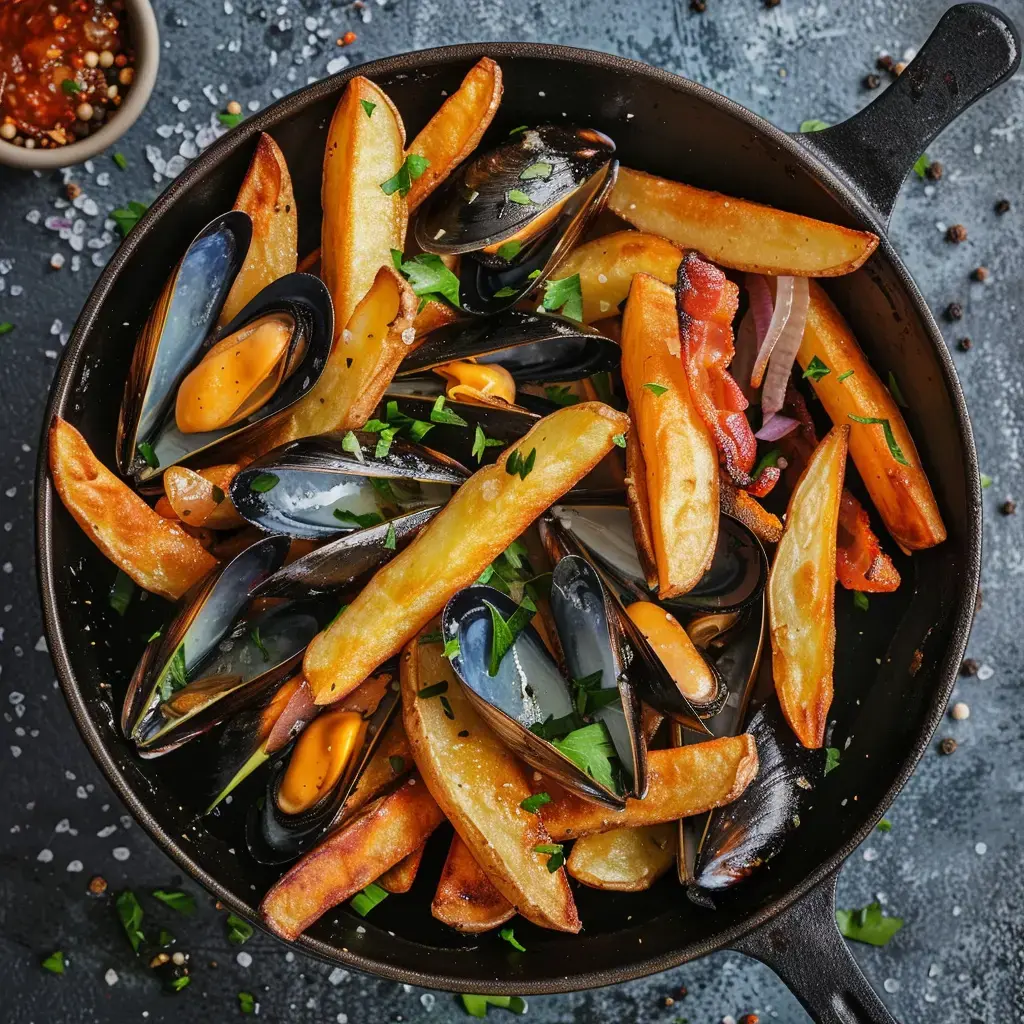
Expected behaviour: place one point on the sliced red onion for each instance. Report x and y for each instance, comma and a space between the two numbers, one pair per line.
780, 366
780, 317
745, 354
761, 305
776, 427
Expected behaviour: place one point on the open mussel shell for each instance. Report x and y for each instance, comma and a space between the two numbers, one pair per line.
303, 304
317, 487
181, 321
535, 348
208, 612
593, 645
276, 837
527, 690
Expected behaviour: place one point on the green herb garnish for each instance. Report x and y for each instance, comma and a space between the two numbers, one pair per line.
129, 910
619, 440
70, 87
816, 369
515, 463
177, 674
894, 390
868, 925
6, 327
121, 592
590, 748
362, 520
481, 442
844, 375
985, 479
54, 963
767, 461
542, 169
126, 217
503, 634
860, 601
368, 107
921, 165
452, 648
510, 937
831, 759
177, 984
263, 482
401, 181
518, 129
350, 443
505, 293
439, 414
509, 251
391, 540
363, 902
165, 938
148, 455
813, 124
561, 394
430, 278
518, 197
434, 690
565, 294
532, 804
446, 707
239, 930
885, 825
557, 728
182, 902
254, 635
120, 160
555, 854
476, 1006
656, 389
890, 439
589, 696
230, 120
397, 764
246, 1000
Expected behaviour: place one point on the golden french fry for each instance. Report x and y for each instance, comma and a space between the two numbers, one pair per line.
361, 224
625, 859
606, 266
682, 781
399, 878
155, 552
266, 195
479, 784
387, 831
738, 233
382, 769
466, 899
483, 517
801, 592
202, 497
679, 454
901, 493
741, 505
456, 129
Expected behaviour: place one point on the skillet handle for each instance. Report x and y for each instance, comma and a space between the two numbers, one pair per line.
803, 946
973, 49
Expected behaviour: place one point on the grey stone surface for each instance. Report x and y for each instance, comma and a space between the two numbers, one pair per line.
951, 864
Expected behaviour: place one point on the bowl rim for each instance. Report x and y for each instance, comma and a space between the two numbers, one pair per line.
841, 189
147, 63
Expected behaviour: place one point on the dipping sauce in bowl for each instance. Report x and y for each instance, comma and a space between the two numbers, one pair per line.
65, 68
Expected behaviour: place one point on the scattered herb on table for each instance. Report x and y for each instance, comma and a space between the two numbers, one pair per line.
230, 120
885, 825
986, 480
868, 925
921, 165
54, 963
813, 124
126, 217
239, 930
177, 984
121, 160
246, 1000
129, 910
6, 327
476, 1006
182, 902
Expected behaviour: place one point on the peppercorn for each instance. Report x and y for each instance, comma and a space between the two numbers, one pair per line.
969, 667
964, 344
980, 273
1003, 206
947, 746
349, 38
683, 991
1008, 507
956, 233
749, 1018
698, 6
772, 3
954, 311
872, 81
98, 886
933, 172
669, 1001
234, 107
884, 62
72, 191
899, 68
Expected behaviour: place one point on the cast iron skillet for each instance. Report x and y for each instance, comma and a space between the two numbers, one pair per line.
850, 174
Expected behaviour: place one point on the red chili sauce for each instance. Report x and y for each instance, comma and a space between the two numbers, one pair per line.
65, 66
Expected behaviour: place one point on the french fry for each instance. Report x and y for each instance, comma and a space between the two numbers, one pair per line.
738, 233
625, 859
606, 266
202, 497
456, 129
682, 781
266, 195
741, 505
388, 830
155, 552
381, 770
801, 592
482, 518
479, 784
399, 878
678, 452
466, 899
361, 224
901, 493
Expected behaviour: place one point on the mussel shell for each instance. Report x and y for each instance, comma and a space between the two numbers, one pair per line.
528, 688
181, 321
277, 838
589, 632
472, 210
307, 302
535, 348
316, 475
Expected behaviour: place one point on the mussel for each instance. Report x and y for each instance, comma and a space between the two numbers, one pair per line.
334, 483
190, 386
516, 210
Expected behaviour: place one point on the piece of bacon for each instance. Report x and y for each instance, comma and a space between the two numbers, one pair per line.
860, 562
706, 303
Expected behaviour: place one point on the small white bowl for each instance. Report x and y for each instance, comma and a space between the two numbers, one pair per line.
146, 40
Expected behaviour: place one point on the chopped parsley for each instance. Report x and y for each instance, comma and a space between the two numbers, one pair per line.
868, 925
430, 278
361, 520
481, 442
452, 649
561, 394
431, 638
177, 984
557, 728
254, 635
476, 1006
844, 375
350, 443
588, 695
518, 129
6, 327
439, 414
239, 930
506, 292
894, 390
434, 690
121, 160
121, 592
70, 87
516, 463
565, 294
510, 937
986, 480
176, 677
418, 429
813, 124
129, 910
391, 541
518, 197
656, 389
363, 902
509, 251
246, 1000
230, 120
831, 759
885, 825
54, 963
921, 165
590, 749
263, 482
503, 634
767, 461
860, 601
182, 902
619, 440
541, 169
369, 108
148, 455
401, 181
555, 854
816, 369
890, 439
532, 804
126, 217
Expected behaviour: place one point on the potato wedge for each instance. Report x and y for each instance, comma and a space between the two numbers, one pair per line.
155, 552
399, 878
466, 899
742, 505
479, 785
483, 517
625, 859
901, 493
361, 224
682, 781
801, 592
456, 129
678, 451
738, 233
607, 264
203, 498
434, 314
381, 771
266, 195
388, 830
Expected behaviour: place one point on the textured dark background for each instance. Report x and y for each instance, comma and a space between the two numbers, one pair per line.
951, 864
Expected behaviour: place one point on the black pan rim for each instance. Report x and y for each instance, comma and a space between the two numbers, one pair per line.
849, 198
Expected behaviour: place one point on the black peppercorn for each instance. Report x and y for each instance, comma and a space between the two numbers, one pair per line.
964, 344
698, 6
969, 667
885, 63
947, 746
956, 233
954, 311
980, 273
1003, 206
933, 172
1008, 507
872, 81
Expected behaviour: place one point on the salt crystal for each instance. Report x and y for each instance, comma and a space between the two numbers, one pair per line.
89, 208
165, 131
77, 242
891, 985
244, 959
15, 697
41, 644
980, 849
934, 971
75, 866
188, 149
337, 64
121, 853
337, 976
107, 830
428, 999
985, 672
870, 854
15, 751
184, 105
44, 856
62, 826
342, 1018
76, 263
98, 259
111, 976
103, 179
253, 104
56, 327
33, 216
16, 290
175, 166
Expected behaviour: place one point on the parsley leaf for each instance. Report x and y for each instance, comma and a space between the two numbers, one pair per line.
54, 963
518, 197
121, 160
126, 217
541, 169
176, 675
506, 293
430, 278
516, 463
555, 853
769, 459
831, 759
510, 937
532, 804
844, 375
368, 107
921, 165
230, 120
401, 181
890, 439
129, 910
239, 930
439, 414
361, 520
816, 369
121, 592
481, 442
986, 480
476, 1006
860, 601
619, 440
557, 728
434, 690
182, 902
813, 124
885, 825
70, 87
503, 634
6, 327
509, 251
868, 925
656, 389
246, 1000
147, 453
561, 394
894, 390
350, 443
565, 294
263, 482
363, 902
452, 648
591, 750
254, 635
177, 984
391, 540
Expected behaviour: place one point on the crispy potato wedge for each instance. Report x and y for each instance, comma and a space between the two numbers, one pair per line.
202, 497
361, 224
380, 772
742, 505
801, 592
266, 195
682, 781
387, 831
483, 517
361, 364
456, 129
625, 859
678, 451
479, 784
901, 493
399, 878
434, 314
606, 267
738, 233
155, 552
466, 899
